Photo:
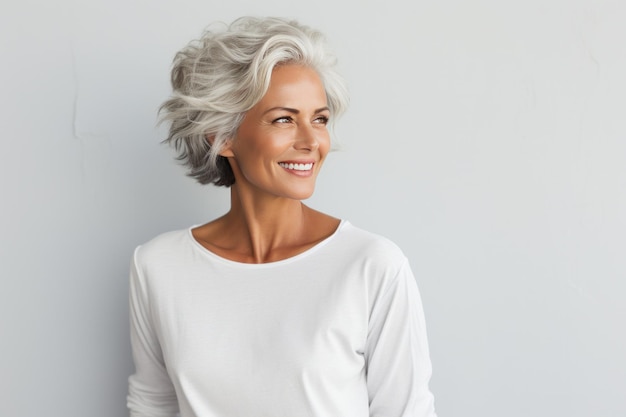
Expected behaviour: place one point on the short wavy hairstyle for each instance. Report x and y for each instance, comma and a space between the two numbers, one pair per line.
216, 79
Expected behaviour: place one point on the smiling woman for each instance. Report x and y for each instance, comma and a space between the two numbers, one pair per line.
283, 140
273, 309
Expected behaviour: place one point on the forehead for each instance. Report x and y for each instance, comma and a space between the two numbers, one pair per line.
295, 84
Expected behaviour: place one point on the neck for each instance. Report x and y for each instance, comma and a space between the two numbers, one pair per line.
264, 225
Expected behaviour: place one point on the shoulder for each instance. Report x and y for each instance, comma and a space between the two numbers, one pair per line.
163, 248
376, 262
373, 251
370, 244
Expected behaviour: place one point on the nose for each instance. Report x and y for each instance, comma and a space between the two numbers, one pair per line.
307, 139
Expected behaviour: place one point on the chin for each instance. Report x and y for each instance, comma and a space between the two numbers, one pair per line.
299, 194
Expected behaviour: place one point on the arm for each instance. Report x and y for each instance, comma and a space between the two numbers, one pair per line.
396, 354
150, 391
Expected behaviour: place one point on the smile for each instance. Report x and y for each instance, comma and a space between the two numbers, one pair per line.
296, 167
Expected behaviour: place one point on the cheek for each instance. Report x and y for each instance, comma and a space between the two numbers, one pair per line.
324, 146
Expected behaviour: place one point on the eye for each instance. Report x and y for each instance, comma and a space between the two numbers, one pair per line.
283, 119
322, 120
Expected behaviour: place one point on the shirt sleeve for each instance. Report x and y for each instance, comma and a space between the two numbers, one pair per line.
396, 352
150, 390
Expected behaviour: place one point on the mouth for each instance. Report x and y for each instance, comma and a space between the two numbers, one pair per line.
296, 166
302, 169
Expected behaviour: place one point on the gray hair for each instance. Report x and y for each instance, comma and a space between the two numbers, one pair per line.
217, 78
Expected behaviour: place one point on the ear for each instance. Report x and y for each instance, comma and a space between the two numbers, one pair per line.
226, 150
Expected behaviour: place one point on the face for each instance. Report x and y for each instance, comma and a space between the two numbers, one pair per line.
283, 140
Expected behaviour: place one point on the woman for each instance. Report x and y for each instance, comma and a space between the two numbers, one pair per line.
273, 309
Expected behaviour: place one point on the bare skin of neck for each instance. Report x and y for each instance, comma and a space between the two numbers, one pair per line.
264, 229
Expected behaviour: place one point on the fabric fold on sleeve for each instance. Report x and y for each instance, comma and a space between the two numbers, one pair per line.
150, 391
397, 358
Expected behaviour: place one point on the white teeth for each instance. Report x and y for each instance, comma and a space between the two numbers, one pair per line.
296, 167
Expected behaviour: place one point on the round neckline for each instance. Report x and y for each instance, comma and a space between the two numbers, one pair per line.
314, 248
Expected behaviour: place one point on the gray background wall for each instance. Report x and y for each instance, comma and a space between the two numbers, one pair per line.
487, 138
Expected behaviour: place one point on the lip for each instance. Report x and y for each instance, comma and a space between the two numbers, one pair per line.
298, 172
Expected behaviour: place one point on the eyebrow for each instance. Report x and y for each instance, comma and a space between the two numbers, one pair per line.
294, 111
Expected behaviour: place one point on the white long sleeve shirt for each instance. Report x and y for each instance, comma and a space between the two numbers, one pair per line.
336, 331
